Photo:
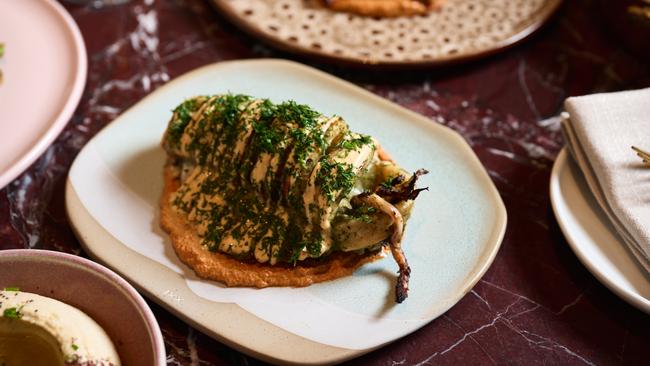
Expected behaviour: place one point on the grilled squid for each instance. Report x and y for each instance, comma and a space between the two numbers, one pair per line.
283, 185
397, 227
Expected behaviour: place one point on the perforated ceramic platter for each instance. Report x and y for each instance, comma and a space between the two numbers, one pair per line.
453, 234
460, 30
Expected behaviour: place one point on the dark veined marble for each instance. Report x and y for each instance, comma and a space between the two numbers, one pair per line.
536, 305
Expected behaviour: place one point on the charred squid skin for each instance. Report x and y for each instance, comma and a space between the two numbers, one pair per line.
402, 285
375, 201
400, 190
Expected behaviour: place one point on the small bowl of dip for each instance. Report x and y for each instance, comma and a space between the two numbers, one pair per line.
74, 311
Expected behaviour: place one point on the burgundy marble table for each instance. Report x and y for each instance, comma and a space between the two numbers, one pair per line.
536, 305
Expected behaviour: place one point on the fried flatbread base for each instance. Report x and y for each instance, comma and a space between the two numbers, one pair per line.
385, 8
232, 272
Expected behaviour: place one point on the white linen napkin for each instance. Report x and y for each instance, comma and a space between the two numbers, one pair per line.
600, 130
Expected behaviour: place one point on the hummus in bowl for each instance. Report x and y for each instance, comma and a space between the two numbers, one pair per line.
38, 330
75, 311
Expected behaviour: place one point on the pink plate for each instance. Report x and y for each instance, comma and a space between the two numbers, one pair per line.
44, 73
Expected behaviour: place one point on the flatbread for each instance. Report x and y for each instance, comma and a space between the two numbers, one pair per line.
232, 272
385, 8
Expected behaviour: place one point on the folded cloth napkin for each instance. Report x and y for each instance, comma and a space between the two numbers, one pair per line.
600, 130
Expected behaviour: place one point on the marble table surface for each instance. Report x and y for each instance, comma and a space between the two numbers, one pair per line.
536, 305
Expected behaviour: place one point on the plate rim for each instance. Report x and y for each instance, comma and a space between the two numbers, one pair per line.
493, 239
544, 17
61, 119
632, 298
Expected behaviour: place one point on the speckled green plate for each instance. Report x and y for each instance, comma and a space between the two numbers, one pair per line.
452, 237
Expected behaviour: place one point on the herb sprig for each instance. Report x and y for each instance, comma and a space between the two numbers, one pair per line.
12, 313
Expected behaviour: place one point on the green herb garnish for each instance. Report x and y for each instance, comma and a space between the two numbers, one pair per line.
388, 183
334, 178
355, 143
12, 313
363, 213
315, 245
183, 114
16, 289
75, 347
2, 52
301, 114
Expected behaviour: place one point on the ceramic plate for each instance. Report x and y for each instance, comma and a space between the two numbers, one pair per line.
460, 30
93, 289
44, 73
452, 236
592, 237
